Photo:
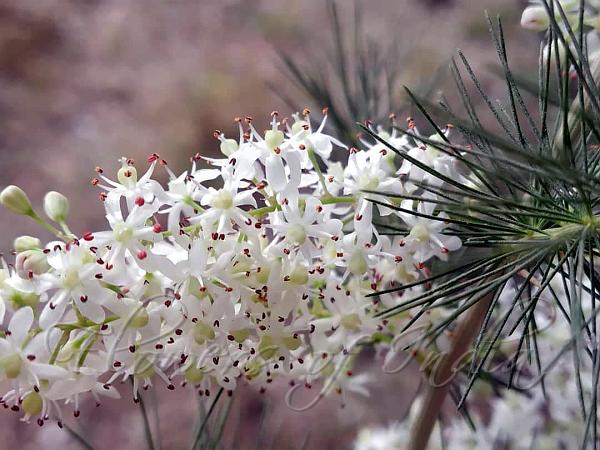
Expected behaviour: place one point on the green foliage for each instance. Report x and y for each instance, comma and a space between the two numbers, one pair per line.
526, 208
356, 79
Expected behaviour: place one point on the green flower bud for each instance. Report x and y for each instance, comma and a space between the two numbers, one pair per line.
15, 199
56, 206
23, 243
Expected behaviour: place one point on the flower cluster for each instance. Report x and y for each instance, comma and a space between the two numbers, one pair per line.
241, 268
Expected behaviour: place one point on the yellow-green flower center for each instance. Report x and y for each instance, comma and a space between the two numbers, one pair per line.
222, 200
11, 365
420, 232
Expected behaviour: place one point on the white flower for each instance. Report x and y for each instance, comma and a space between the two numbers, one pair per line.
226, 205
426, 238
429, 156
128, 185
304, 228
74, 278
301, 133
348, 317
24, 355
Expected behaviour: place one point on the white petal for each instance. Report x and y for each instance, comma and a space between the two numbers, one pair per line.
20, 323
275, 172
50, 316
47, 371
452, 243
91, 310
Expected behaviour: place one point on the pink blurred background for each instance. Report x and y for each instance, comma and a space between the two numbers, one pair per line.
83, 82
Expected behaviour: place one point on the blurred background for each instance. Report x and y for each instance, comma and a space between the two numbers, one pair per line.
83, 82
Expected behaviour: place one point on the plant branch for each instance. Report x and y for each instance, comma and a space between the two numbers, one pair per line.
436, 393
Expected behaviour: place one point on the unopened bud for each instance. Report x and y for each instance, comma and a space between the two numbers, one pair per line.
535, 18
31, 262
23, 243
56, 206
15, 199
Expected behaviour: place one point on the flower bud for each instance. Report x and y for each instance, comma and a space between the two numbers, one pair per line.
31, 262
25, 242
15, 199
535, 18
56, 206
